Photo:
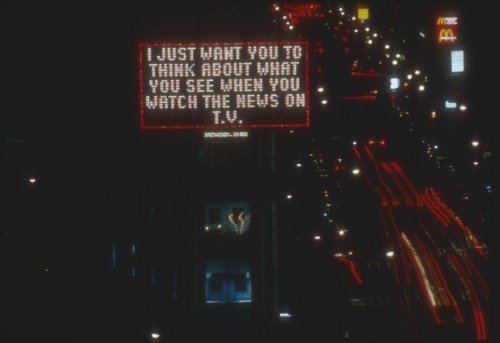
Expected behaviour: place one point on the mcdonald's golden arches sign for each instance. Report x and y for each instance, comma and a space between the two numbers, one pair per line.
447, 30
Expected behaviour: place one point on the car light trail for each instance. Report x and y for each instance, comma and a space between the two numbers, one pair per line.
403, 191
400, 245
394, 199
410, 185
464, 228
443, 281
385, 203
436, 207
420, 272
478, 313
353, 269
389, 242
357, 73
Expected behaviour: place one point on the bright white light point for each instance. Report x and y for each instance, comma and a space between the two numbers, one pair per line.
324, 102
354, 143
421, 88
299, 165
367, 29
475, 143
277, 8
394, 62
356, 30
32, 180
321, 89
409, 76
435, 146
389, 253
284, 17
387, 46
285, 315
398, 55
317, 238
219, 226
375, 35
353, 18
155, 335
355, 171
341, 9
350, 252
290, 27
206, 228
476, 163
288, 196
342, 13
463, 107
341, 232
417, 72
370, 41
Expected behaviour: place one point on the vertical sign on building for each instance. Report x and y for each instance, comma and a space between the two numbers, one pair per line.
447, 30
457, 61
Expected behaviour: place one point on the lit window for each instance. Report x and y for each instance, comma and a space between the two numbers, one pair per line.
228, 281
232, 216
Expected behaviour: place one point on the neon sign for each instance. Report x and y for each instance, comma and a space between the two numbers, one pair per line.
447, 30
447, 21
303, 11
447, 35
224, 85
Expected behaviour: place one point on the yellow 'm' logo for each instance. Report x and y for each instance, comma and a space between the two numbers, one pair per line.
441, 21
446, 34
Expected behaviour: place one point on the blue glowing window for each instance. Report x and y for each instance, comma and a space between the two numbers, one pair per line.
228, 281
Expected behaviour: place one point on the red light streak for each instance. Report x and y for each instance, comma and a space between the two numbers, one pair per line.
357, 73
400, 245
394, 199
436, 207
376, 189
429, 206
443, 281
427, 297
478, 313
360, 97
389, 243
353, 269
398, 183
461, 225
410, 185
478, 274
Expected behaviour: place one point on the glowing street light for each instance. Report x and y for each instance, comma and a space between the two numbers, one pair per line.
321, 89
155, 336
421, 88
389, 253
475, 143
356, 171
324, 102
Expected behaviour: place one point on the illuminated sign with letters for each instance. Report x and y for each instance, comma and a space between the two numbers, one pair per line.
447, 21
224, 85
447, 30
447, 35
457, 61
303, 11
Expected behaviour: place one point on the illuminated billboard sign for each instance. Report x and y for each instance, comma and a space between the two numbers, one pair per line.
457, 61
224, 85
447, 21
294, 12
363, 14
447, 30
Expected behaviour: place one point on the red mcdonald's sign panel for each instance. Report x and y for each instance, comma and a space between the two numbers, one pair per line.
447, 35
